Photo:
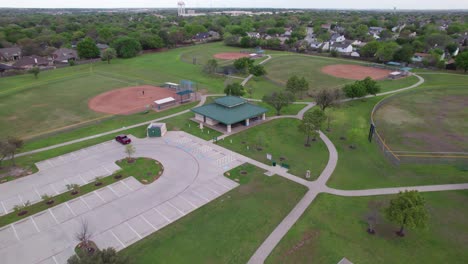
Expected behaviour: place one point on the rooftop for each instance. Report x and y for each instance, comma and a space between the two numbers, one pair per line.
230, 115
230, 101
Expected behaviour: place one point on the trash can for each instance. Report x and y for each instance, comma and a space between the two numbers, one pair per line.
274, 163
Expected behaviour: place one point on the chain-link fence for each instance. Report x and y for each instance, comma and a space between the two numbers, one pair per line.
406, 156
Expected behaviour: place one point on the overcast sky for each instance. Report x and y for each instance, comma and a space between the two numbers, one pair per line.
336, 4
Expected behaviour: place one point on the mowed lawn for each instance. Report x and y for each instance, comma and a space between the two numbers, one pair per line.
335, 227
281, 139
430, 120
281, 67
59, 98
366, 167
228, 229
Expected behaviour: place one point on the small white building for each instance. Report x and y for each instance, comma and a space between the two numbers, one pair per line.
342, 47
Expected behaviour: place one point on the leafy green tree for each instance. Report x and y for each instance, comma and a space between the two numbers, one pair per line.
126, 47
354, 90
245, 42
372, 87
87, 49
279, 100
311, 123
243, 64
234, 89
35, 71
297, 85
462, 61
370, 49
257, 70
386, 51
16, 144
150, 42
210, 66
327, 98
407, 210
404, 54
108, 55
451, 48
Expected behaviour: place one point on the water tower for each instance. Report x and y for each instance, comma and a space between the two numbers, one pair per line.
180, 8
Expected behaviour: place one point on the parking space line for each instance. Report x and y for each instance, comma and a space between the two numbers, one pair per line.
87, 205
194, 206
134, 231
170, 204
126, 185
98, 195
221, 184
200, 196
53, 188
4, 208
50, 163
121, 243
34, 223
14, 231
113, 190
53, 216
167, 219
66, 181
70, 208
108, 171
55, 260
206, 186
85, 182
37, 192
144, 219
21, 199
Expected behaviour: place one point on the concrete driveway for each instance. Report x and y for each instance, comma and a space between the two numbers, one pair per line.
119, 214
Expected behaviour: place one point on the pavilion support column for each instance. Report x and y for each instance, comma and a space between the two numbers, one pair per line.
229, 128
263, 116
247, 122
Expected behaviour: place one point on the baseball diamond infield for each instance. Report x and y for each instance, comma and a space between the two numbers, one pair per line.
231, 55
128, 100
355, 72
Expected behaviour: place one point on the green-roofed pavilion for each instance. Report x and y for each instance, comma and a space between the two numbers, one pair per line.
229, 110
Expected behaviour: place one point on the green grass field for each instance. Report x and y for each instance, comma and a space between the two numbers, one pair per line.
228, 229
280, 138
281, 67
432, 120
335, 227
366, 166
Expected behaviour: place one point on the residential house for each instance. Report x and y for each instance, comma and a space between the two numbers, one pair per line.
287, 32
326, 26
315, 44
214, 34
325, 46
358, 43
102, 47
375, 32
64, 55
342, 47
419, 56
463, 39
337, 38
4, 68
253, 35
29, 62
283, 39
412, 35
10, 54
201, 36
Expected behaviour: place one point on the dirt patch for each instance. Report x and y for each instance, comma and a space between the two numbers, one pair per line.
11, 118
128, 100
231, 55
397, 116
306, 243
355, 72
39, 105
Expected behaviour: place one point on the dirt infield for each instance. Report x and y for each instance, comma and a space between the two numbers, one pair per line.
128, 100
355, 72
231, 55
